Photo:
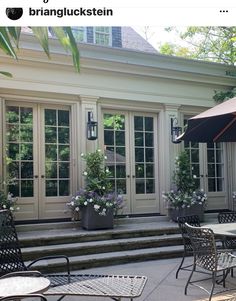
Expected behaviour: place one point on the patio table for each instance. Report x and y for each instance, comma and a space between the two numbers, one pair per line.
20, 285
225, 229
112, 286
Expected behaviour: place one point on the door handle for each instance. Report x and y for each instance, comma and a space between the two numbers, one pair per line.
128, 176
133, 176
36, 176
42, 176
201, 176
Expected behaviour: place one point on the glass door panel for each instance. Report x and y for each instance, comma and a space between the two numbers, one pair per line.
57, 152
144, 155
19, 144
115, 150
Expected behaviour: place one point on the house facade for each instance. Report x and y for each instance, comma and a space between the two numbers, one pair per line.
132, 95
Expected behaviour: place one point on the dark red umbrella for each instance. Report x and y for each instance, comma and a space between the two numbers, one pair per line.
217, 124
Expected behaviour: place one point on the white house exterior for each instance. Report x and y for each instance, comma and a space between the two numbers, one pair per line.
44, 110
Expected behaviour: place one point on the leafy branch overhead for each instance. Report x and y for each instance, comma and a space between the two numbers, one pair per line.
10, 38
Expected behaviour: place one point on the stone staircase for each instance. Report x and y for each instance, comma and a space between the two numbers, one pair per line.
131, 240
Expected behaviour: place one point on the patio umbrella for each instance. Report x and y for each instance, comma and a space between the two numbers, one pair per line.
217, 124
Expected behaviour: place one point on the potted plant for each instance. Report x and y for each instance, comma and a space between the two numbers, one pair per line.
185, 198
96, 202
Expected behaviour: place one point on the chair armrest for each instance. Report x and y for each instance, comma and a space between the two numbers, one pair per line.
53, 257
22, 273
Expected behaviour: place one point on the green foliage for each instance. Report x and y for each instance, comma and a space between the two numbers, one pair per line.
7, 201
221, 96
183, 178
10, 38
97, 192
185, 192
96, 175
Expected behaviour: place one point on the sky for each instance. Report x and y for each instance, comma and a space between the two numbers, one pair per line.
158, 35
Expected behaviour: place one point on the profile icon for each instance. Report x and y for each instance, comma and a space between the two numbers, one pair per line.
14, 13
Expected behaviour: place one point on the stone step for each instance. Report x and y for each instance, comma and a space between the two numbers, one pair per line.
103, 246
110, 258
76, 234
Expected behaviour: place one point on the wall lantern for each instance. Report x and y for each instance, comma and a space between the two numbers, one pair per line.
92, 127
176, 130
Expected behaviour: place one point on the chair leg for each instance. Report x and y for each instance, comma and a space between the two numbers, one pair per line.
180, 266
213, 284
189, 278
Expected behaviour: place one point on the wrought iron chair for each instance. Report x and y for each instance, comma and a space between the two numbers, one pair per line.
113, 286
208, 258
188, 250
228, 217
11, 259
23, 297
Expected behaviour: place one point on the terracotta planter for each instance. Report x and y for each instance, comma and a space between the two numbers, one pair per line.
196, 209
91, 220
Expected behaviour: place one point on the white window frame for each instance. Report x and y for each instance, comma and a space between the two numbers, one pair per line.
101, 32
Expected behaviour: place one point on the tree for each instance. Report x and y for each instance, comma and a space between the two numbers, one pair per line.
215, 44
10, 38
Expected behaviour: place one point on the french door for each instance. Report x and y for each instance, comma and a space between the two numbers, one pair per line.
209, 168
38, 150
131, 150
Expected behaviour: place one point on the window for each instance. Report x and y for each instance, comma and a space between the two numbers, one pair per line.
102, 35
79, 33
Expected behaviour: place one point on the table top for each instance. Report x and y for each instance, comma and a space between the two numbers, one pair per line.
225, 229
19, 285
117, 286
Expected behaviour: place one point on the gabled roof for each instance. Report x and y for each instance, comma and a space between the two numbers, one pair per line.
132, 40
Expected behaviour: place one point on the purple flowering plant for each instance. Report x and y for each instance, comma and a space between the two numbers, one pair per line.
98, 190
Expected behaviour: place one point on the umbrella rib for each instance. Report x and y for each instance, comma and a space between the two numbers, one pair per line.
224, 129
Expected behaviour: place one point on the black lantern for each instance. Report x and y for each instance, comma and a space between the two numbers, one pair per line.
92, 127
176, 130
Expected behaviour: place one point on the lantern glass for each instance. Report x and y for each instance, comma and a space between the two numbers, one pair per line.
92, 132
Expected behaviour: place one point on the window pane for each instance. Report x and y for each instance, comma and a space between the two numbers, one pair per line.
64, 188
51, 170
51, 152
148, 123
139, 154
26, 133
64, 153
139, 139
51, 187
12, 133
139, 170
121, 186
150, 188
148, 139
64, 135
63, 118
50, 117
120, 171
27, 188
12, 114
26, 115
138, 123
149, 155
140, 186
26, 151
109, 137
64, 170
27, 170
120, 138
50, 134
13, 151
149, 170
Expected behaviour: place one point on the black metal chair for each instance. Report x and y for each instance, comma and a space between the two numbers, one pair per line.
11, 259
188, 250
23, 297
228, 217
208, 258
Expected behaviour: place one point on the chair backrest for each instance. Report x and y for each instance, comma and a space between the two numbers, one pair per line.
204, 247
10, 253
227, 217
192, 220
